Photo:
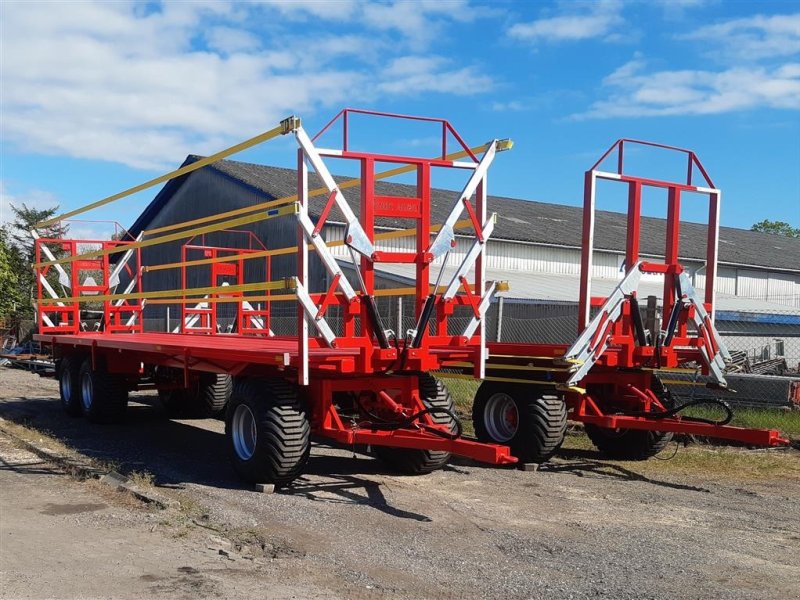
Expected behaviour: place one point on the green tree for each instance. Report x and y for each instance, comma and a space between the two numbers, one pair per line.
22, 249
776, 227
10, 300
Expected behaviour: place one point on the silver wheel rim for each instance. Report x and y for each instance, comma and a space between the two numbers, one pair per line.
87, 391
66, 386
244, 432
501, 417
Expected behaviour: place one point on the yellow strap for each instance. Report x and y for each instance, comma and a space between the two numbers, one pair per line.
495, 366
293, 198
267, 135
231, 213
388, 235
246, 287
278, 212
170, 296
447, 375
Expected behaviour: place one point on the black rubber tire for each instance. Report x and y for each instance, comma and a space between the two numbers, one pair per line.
628, 444
213, 394
541, 420
206, 399
632, 444
282, 441
176, 402
434, 394
69, 385
107, 401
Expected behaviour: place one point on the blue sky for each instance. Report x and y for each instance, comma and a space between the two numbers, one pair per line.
97, 97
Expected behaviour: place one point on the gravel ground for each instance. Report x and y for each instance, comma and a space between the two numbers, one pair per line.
580, 527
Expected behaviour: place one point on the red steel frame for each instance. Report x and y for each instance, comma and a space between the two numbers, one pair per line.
122, 316
623, 378
354, 360
621, 381
435, 348
231, 269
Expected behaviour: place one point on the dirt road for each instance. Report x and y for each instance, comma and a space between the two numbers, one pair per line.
581, 527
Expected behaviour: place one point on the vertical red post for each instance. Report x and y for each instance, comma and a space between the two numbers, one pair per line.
367, 218
587, 247
423, 233
634, 223
672, 245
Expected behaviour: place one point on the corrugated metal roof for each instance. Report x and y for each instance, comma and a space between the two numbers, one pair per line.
528, 220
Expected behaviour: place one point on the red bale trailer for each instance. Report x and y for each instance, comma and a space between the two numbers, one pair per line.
350, 379
608, 378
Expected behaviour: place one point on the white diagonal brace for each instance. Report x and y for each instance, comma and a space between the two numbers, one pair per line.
121, 264
356, 237
586, 350
444, 239
311, 312
63, 278
482, 308
469, 259
325, 255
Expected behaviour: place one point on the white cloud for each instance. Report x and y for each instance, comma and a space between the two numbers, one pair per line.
598, 20
145, 84
695, 92
230, 40
753, 38
421, 74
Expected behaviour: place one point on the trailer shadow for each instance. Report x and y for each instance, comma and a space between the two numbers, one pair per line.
181, 452
589, 462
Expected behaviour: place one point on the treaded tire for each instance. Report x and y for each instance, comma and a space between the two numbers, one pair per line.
434, 394
69, 385
207, 398
628, 444
104, 395
268, 431
541, 419
632, 444
213, 394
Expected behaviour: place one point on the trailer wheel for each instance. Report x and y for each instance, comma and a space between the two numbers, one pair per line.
628, 444
434, 394
527, 418
175, 402
207, 398
213, 394
69, 385
633, 444
268, 431
104, 395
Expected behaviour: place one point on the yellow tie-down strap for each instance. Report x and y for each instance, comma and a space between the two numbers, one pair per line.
271, 214
320, 191
286, 126
387, 235
285, 284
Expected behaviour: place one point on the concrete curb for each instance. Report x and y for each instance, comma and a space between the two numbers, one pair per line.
78, 466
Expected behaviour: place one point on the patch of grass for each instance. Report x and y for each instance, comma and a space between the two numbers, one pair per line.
463, 392
785, 421
707, 462
142, 479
